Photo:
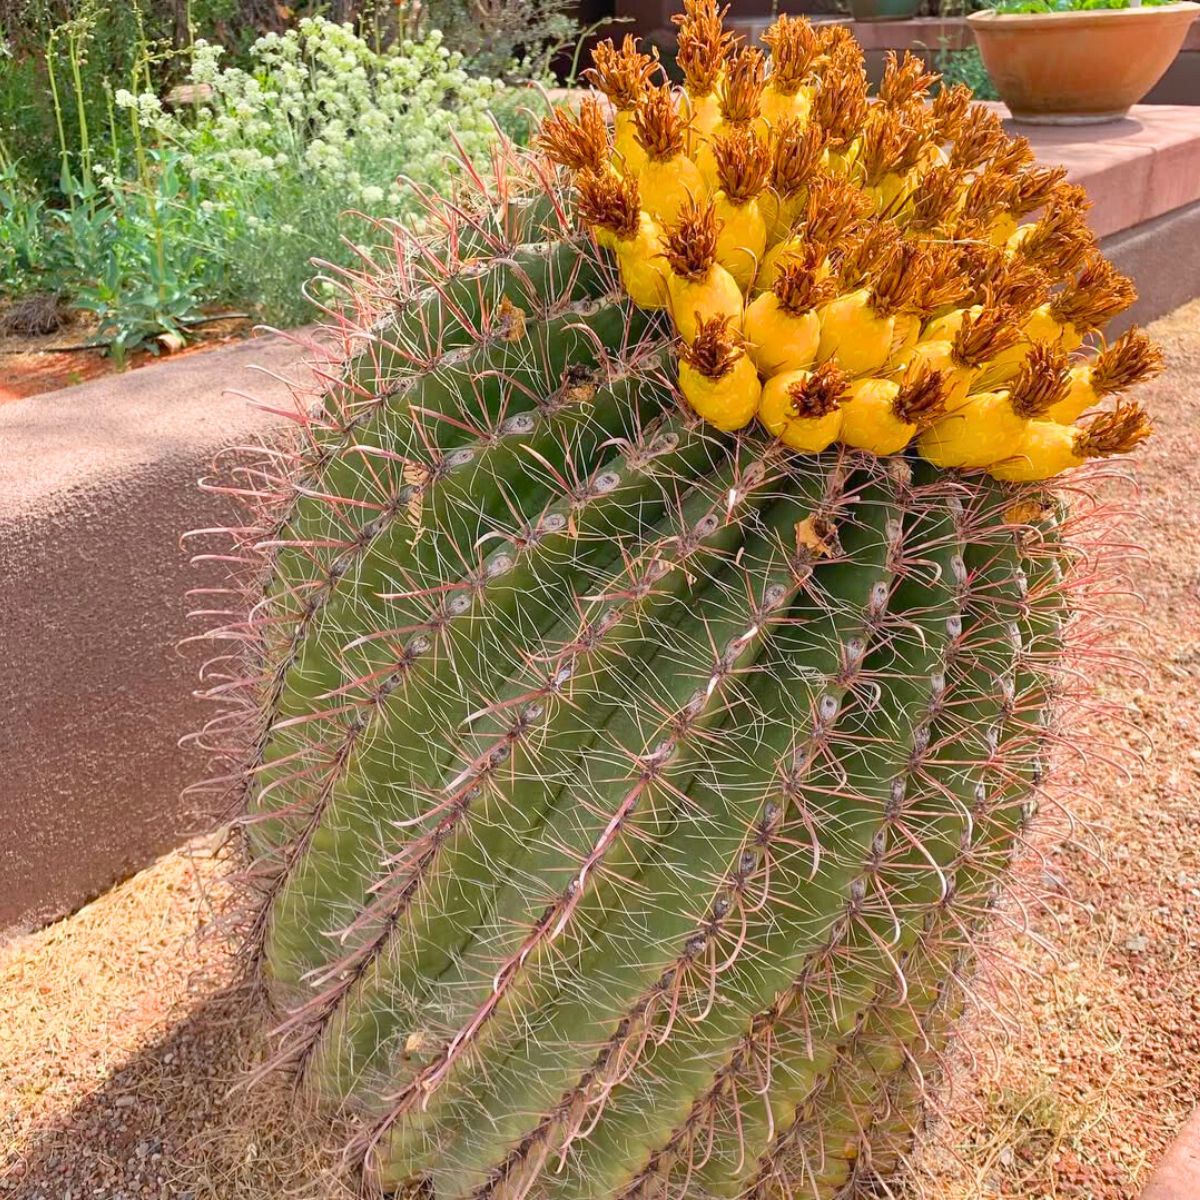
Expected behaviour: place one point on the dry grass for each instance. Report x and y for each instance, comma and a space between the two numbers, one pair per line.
120, 1035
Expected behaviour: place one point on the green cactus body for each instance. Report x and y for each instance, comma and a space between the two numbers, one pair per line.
625, 796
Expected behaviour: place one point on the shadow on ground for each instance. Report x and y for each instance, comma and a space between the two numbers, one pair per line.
171, 1123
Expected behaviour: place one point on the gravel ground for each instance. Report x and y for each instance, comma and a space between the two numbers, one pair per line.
121, 1034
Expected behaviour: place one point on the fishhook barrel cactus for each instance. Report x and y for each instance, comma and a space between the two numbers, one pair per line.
659, 630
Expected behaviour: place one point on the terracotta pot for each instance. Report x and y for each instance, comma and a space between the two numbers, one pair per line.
1077, 68
883, 10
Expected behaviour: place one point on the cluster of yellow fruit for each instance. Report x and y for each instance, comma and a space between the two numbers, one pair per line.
852, 269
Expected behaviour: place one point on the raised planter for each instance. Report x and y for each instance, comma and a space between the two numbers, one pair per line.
1075, 68
97, 485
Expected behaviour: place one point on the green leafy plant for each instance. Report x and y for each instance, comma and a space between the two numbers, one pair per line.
1051, 6
25, 255
320, 123
966, 67
161, 212
142, 269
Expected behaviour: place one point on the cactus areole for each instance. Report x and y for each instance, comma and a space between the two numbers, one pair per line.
660, 628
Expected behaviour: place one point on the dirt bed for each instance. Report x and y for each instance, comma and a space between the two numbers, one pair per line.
120, 1036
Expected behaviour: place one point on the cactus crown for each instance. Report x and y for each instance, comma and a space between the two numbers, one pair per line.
916, 205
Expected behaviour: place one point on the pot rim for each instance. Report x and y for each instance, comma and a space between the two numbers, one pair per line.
989, 17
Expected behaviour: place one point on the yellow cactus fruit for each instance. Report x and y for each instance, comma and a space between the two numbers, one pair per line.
840, 107
1060, 242
623, 75
775, 257
933, 204
715, 376
1000, 281
782, 328
939, 356
608, 205
803, 408
944, 328
883, 416
1099, 293
868, 326
698, 287
796, 153
859, 337
982, 215
889, 149
989, 426
1048, 448
973, 434
981, 334
742, 163
668, 178
947, 111
942, 285
739, 95
788, 94
703, 47
1132, 358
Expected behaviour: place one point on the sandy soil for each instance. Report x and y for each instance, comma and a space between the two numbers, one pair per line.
120, 1036
36, 365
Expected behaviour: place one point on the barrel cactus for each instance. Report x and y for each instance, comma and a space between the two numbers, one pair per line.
658, 631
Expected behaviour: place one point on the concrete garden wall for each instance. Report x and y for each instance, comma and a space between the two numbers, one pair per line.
97, 483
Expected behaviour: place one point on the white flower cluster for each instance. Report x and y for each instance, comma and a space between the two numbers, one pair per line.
146, 105
321, 104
